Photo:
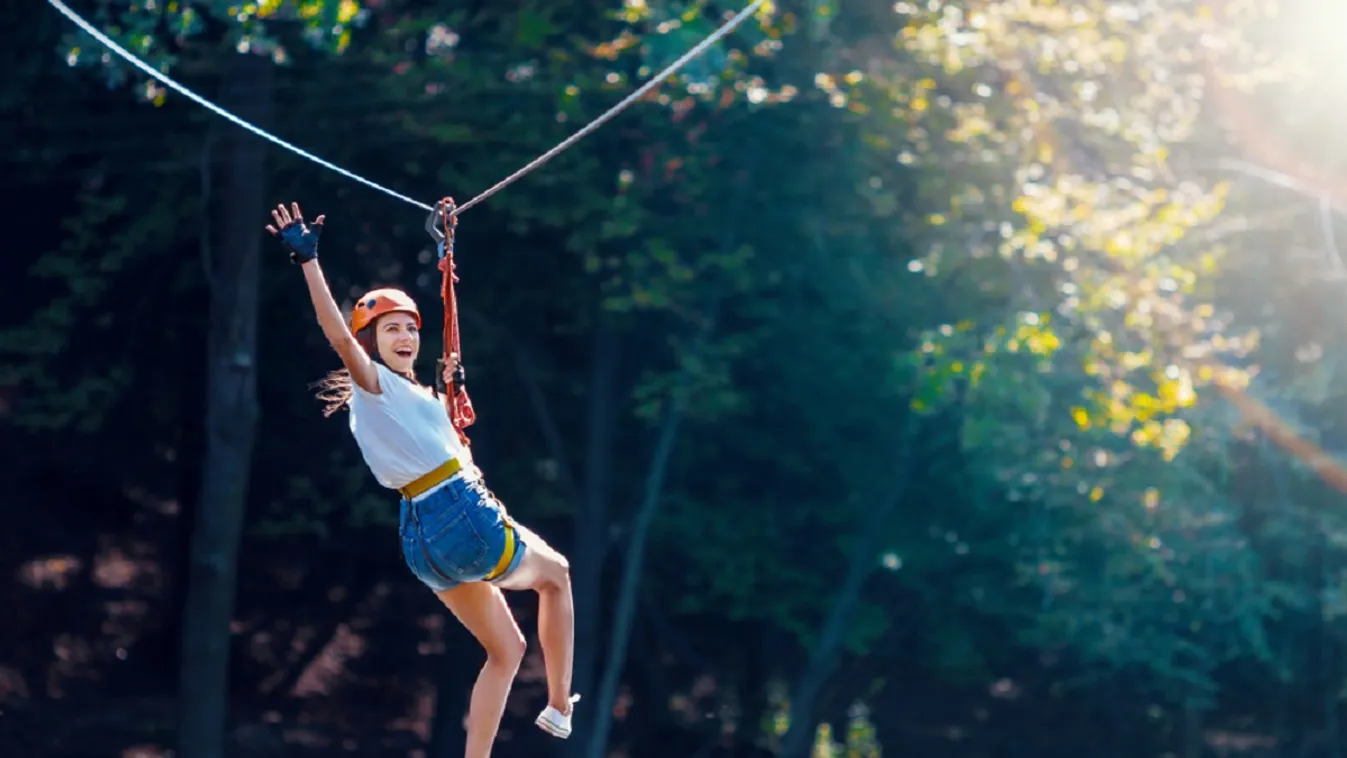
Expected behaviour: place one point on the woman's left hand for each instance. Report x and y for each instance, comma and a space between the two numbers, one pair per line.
453, 372
299, 238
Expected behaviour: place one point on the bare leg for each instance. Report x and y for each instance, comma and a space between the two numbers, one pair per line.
547, 572
482, 609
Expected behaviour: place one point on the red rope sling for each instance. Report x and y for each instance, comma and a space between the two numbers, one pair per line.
460, 409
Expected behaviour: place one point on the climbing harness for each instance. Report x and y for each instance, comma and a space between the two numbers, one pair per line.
425, 484
650, 84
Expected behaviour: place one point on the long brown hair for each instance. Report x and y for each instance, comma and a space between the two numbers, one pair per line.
336, 388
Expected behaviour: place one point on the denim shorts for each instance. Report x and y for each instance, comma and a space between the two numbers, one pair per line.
456, 534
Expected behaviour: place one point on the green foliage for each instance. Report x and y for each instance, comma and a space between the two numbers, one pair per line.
104, 248
997, 225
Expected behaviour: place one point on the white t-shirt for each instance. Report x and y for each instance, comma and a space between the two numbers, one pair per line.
404, 431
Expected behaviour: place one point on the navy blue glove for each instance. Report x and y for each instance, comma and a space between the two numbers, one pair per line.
299, 238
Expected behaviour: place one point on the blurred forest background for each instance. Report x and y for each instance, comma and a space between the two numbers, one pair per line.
941, 379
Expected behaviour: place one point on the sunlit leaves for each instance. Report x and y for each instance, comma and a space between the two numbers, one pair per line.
1063, 117
1077, 366
660, 34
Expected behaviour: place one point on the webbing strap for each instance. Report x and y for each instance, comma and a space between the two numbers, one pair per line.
506, 555
461, 413
431, 478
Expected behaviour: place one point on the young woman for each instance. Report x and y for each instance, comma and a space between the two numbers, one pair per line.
456, 536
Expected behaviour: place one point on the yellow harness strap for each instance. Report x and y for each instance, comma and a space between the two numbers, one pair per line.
439, 474
506, 556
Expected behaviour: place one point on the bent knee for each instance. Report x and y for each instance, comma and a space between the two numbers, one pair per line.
563, 566
509, 650
556, 571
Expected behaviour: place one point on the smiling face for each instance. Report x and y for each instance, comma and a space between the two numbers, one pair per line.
398, 340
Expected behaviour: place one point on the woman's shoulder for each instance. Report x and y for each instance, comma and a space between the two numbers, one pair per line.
387, 382
391, 382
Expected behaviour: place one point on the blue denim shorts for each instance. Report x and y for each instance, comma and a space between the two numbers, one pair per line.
456, 534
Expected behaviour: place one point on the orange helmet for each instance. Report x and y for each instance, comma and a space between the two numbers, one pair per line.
376, 303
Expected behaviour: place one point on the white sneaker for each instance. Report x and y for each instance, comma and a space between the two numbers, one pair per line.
556, 723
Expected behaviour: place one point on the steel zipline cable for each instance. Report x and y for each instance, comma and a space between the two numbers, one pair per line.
603, 118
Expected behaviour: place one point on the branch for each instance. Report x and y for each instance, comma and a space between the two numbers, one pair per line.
631, 574
653, 491
800, 732
1318, 460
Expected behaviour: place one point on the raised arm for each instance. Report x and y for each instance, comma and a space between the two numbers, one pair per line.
302, 241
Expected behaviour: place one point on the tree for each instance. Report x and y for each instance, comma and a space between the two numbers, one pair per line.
231, 413
247, 85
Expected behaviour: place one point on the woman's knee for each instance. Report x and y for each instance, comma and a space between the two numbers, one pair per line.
483, 610
554, 571
507, 651
546, 568
563, 566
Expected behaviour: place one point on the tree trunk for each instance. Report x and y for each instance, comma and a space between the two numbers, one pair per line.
230, 417
799, 737
591, 517
624, 613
